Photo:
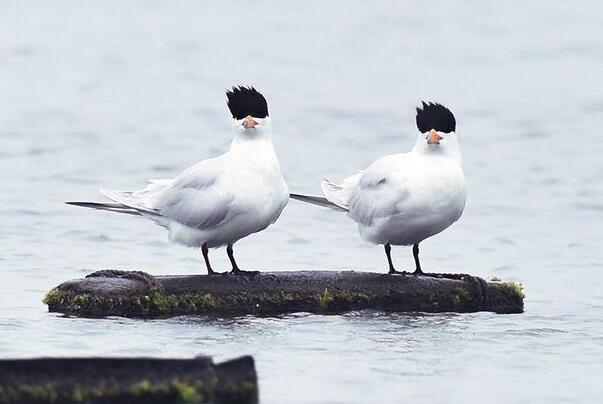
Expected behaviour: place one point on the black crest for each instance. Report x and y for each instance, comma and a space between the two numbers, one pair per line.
435, 116
243, 101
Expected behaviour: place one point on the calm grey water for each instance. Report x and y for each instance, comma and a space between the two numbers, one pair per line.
112, 93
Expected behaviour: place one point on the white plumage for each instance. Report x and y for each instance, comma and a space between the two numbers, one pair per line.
219, 200
404, 198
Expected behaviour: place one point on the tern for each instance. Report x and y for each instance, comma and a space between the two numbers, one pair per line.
220, 200
404, 198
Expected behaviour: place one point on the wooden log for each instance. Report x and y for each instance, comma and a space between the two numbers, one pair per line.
137, 294
127, 380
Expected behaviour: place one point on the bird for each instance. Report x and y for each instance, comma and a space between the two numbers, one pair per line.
220, 200
405, 198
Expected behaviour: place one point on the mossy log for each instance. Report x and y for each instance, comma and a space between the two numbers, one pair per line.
137, 294
127, 380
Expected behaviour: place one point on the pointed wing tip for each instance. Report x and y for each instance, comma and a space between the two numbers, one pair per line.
75, 203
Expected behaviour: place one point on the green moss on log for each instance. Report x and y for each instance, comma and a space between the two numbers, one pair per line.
175, 391
161, 305
460, 297
327, 292
127, 380
514, 291
28, 393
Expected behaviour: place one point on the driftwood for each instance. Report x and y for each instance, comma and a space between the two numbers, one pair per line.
137, 294
127, 380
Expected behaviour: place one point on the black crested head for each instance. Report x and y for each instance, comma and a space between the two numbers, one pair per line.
243, 101
435, 116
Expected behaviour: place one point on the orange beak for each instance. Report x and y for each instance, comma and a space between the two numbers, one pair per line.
249, 122
433, 137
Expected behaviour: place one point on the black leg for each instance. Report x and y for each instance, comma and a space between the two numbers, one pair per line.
235, 268
205, 252
415, 254
388, 250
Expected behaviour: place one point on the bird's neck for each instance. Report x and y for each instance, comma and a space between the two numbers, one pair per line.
252, 139
257, 150
448, 148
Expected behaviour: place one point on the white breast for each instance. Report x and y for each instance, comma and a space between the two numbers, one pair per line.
408, 197
244, 194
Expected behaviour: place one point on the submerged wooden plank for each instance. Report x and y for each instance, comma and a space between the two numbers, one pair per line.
137, 294
127, 380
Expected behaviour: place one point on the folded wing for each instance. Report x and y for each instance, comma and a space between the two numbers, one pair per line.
201, 197
380, 191
340, 194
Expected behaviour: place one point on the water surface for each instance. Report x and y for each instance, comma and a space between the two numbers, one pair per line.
110, 94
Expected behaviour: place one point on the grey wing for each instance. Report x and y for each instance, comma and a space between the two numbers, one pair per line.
141, 200
377, 194
199, 197
316, 200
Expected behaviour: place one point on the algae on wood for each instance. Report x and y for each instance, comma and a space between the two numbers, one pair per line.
127, 380
137, 294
